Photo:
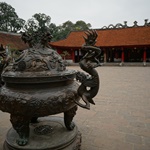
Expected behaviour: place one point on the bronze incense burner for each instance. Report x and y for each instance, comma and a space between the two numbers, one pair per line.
37, 84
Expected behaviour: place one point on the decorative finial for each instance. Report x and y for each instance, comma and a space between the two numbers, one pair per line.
125, 24
135, 24
146, 22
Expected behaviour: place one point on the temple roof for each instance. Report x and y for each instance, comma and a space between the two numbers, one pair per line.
132, 36
12, 40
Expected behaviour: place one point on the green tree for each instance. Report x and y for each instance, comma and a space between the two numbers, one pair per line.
54, 30
38, 30
68, 25
38, 22
9, 20
81, 25
64, 29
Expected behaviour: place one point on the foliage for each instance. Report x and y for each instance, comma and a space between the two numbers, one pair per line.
40, 22
64, 29
37, 30
9, 20
81, 25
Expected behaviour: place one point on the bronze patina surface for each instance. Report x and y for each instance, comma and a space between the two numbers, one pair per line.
89, 82
37, 84
49, 133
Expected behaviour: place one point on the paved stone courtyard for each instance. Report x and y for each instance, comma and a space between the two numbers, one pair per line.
120, 120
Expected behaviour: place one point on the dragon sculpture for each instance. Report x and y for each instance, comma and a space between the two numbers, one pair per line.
89, 82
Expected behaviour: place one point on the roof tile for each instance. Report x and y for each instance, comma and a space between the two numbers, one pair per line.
109, 37
12, 40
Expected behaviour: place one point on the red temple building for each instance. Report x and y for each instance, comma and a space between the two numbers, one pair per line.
11, 41
118, 43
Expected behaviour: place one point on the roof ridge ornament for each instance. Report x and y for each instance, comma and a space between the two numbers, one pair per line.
146, 22
119, 25
135, 24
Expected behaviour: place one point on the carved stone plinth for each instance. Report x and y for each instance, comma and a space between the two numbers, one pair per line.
49, 134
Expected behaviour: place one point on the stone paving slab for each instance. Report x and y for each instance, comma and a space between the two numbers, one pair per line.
120, 120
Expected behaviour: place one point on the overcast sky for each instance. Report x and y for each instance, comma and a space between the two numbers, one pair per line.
98, 13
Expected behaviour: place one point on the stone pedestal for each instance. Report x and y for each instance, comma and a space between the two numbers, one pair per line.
49, 133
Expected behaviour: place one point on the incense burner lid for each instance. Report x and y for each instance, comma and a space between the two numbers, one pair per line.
38, 65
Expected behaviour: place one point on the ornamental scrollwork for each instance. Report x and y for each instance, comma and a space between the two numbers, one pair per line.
40, 56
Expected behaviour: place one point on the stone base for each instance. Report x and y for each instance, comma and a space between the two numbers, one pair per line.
49, 134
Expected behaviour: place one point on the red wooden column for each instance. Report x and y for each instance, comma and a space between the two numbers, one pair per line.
105, 55
59, 51
73, 55
122, 55
144, 57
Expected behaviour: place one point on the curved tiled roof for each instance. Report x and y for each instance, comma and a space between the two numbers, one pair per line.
12, 40
135, 36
